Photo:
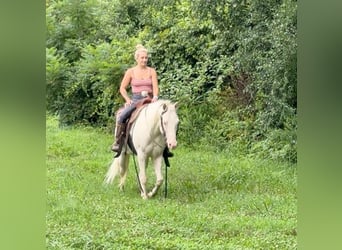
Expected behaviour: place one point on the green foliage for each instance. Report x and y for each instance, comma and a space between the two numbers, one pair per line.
280, 144
214, 201
57, 73
276, 73
230, 64
92, 94
71, 25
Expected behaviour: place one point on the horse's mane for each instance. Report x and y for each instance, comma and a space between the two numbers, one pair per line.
152, 111
162, 101
159, 103
154, 107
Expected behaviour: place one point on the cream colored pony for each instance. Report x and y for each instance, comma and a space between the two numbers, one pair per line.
153, 130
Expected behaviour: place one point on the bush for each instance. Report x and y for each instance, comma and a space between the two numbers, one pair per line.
279, 144
230, 64
57, 74
92, 94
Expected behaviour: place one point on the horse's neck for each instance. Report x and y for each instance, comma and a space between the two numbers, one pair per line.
153, 122
148, 122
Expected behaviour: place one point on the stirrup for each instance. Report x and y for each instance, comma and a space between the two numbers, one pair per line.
118, 152
115, 147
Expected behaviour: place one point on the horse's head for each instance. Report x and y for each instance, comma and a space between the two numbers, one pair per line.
169, 124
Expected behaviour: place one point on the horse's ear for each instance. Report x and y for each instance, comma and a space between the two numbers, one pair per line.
164, 107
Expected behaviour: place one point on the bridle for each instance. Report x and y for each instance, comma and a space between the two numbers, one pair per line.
162, 128
162, 123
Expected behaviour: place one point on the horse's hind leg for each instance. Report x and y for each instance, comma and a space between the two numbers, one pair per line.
124, 160
159, 176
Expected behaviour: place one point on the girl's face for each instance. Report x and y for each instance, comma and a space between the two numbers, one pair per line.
142, 59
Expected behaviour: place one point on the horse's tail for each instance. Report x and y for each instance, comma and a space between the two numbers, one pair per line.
112, 171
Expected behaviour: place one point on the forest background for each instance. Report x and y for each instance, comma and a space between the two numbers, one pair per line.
232, 66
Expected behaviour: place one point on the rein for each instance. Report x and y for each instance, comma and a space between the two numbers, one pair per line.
166, 159
136, 172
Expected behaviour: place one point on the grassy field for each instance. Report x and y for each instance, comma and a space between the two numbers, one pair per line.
215, 201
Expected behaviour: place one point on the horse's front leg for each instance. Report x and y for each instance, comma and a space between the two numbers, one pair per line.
157, 163
142, 176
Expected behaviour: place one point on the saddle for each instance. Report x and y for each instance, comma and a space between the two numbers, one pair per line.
138, 107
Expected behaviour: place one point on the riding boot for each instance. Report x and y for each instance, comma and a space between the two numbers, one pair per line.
119, 137
167, 153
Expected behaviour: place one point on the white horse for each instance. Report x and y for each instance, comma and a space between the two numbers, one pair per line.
153, 130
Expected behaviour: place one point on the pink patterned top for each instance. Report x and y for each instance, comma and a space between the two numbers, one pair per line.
139, 85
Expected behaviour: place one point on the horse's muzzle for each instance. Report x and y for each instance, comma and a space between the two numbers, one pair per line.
172, 145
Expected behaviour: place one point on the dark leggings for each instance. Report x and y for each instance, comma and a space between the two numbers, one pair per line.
127, 111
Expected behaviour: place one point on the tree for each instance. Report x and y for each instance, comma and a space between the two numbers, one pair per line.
231, 64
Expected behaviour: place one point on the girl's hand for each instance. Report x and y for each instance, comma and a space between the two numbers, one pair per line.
128, 103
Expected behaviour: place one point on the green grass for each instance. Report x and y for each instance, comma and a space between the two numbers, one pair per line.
215, 201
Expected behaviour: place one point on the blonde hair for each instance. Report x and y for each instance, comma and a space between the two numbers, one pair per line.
139, 48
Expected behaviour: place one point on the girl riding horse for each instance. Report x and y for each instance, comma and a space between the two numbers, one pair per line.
144, 83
